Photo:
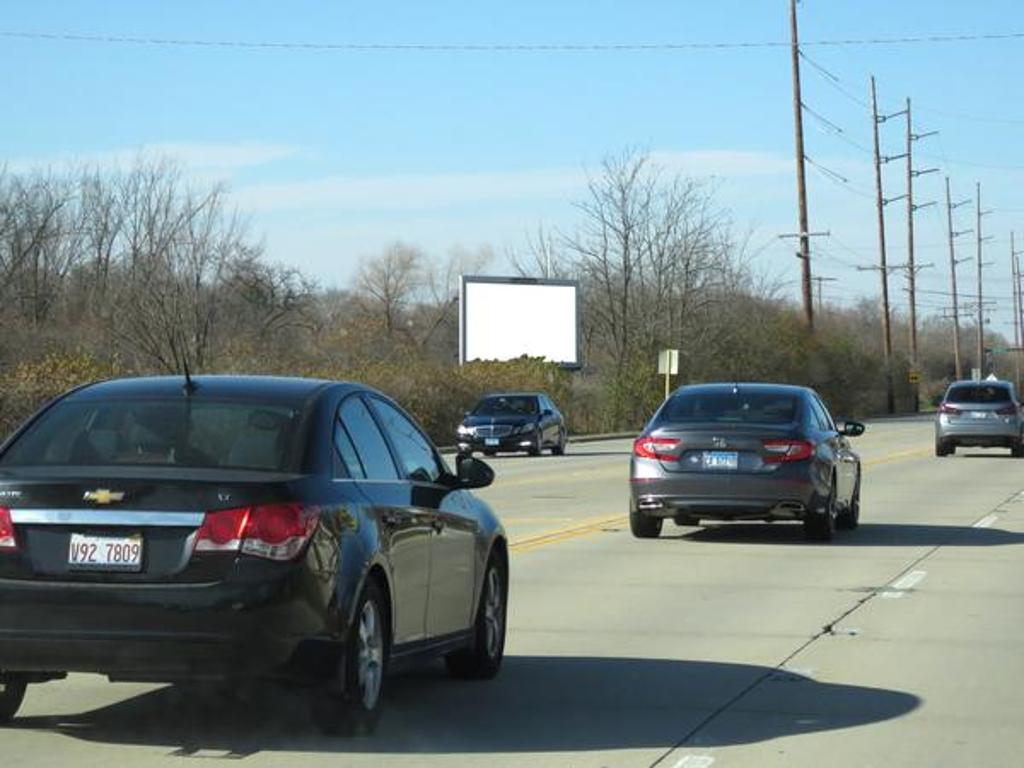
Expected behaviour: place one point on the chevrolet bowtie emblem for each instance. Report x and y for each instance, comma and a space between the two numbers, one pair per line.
103, 496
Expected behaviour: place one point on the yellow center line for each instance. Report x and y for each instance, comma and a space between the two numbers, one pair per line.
596, 524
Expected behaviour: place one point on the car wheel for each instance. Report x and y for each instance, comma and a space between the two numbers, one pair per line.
351, 705
12, 693
489, 451
644, 526
559, 449
849, 518
538, 445
821, 527
483, 660
1017, 450
942, 448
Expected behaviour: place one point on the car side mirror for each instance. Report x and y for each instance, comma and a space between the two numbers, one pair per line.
472, 472
851, 429
547, 412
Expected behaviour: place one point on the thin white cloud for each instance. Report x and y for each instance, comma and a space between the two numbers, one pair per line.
406, 192
200, 158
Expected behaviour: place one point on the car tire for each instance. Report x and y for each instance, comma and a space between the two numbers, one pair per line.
483, 660
821, 527
685, 520
644, 526
849, 518
351, 704
943, 448
538, 445
1017, 450
489, 452
12, 694
559, 448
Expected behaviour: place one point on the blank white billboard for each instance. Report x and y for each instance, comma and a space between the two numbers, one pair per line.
503, 318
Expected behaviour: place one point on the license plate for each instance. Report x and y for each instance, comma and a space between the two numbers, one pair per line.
721, 460
979, 414
491, 441
105, 553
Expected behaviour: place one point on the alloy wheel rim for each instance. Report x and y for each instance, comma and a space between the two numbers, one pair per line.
371, 654
493, 614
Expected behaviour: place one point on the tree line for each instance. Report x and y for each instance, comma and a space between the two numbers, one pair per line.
108, 273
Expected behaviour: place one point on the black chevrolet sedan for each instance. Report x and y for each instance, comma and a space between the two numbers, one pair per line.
745, 452
512, 422
225, 528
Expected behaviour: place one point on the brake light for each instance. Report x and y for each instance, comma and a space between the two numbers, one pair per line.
947, 408
1010, 410
7, 540
663, 448
270, 531
784, 451
279, 531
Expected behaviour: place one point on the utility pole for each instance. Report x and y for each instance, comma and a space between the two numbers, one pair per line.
911, 267
981, 264
883, 268
911, 174
1018, 331
953, 261
801, 179
819, 281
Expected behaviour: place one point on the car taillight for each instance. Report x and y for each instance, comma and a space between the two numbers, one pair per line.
7, 540
270, 531
782, 451
664, 448
947, 408
1010, 410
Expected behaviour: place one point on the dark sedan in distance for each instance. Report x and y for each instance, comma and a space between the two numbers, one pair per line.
225, 528
511, 422
745, 452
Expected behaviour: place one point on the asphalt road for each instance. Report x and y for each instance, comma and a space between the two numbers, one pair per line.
730, 645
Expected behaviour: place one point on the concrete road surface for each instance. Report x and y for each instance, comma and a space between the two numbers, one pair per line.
898, 644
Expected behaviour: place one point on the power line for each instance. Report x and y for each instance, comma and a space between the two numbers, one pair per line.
485, 47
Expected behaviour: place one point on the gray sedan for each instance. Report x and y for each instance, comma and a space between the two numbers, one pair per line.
745, 452
985, 414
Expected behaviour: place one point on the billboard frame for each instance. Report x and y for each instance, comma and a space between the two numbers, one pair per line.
465, 279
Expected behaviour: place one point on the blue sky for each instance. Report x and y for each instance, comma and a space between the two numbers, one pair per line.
333, 154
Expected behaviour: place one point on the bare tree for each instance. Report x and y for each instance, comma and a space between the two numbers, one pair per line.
385, 285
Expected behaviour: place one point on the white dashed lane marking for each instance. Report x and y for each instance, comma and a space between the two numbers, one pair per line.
695, 761
903, 584
986, 522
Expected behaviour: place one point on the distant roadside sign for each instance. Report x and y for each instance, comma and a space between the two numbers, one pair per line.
914, 377
668, 362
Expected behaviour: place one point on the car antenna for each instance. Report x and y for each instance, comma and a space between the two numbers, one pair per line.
190, 386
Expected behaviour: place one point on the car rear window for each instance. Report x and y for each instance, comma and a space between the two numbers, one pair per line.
181, 432
978, 393
525, 405
730, 408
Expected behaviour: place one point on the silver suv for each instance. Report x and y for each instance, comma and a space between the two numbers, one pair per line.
985, 414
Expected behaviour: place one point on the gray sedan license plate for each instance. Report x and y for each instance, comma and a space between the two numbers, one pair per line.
105, 553
721, 460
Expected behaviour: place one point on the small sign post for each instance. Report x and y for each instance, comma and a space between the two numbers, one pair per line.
668, 365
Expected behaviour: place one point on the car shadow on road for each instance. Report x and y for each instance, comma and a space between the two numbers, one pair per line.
866, 535
537, 704
986, 456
